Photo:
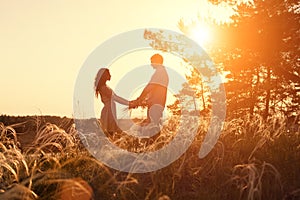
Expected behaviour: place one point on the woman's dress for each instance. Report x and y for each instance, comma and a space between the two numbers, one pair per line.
108, 117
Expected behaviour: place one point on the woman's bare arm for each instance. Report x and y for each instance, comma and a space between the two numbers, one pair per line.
119, 99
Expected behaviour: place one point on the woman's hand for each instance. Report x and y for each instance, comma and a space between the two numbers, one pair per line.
133, 104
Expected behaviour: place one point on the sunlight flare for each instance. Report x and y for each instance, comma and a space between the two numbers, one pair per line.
201, 34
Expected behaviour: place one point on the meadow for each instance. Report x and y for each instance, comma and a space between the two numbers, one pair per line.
253, 159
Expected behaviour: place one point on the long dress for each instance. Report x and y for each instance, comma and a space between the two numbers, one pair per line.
108, 117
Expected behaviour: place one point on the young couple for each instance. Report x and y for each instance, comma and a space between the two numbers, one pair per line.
154, 94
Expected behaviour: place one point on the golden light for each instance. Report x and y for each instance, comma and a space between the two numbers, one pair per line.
202, 29
201, 34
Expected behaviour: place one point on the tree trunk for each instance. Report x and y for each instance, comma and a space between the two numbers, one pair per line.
266, 114
203, 99
195, 105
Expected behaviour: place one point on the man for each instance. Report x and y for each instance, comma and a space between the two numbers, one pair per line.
154, 94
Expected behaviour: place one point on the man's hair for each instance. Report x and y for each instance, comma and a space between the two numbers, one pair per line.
157, 58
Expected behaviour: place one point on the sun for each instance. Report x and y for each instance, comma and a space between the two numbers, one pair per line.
203, 29
201, 34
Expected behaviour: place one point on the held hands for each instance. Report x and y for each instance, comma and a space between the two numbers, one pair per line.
134, 104
138, 102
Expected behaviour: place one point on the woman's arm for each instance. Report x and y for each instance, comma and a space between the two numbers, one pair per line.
119, 99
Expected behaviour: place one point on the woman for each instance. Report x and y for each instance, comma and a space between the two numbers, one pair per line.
108, 97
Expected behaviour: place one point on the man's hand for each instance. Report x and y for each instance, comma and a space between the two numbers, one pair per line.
134, 104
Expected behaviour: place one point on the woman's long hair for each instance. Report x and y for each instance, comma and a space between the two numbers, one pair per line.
100, 80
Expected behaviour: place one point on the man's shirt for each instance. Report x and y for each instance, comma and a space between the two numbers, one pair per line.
156, 90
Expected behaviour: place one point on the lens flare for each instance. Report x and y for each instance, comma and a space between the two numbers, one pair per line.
201, 34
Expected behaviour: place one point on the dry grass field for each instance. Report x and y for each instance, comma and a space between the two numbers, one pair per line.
253, 159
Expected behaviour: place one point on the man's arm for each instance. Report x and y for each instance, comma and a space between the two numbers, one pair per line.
137, 102
146, 91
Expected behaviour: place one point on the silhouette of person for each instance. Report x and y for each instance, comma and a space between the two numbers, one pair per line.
154, 95
108, 97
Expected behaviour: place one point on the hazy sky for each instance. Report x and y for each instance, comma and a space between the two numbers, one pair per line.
44, 43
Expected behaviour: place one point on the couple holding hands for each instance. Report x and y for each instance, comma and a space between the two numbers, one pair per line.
153, 96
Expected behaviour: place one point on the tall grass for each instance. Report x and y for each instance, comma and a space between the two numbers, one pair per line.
253, 159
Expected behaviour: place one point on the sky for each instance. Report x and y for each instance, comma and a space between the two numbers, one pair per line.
43, 45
